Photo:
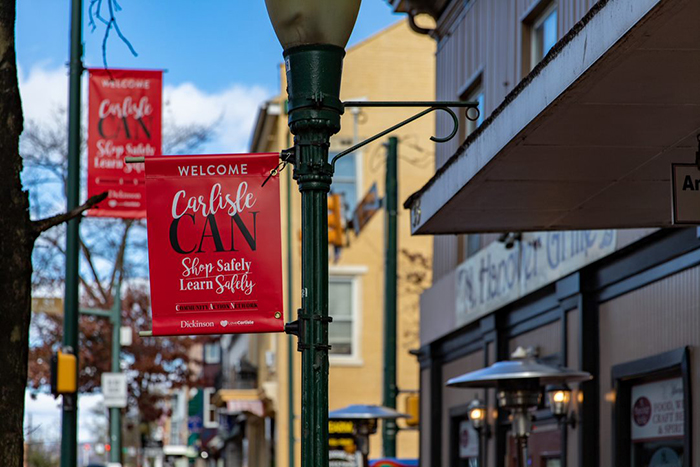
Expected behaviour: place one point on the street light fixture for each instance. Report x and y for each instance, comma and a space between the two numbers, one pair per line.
518, 384
364, 418
477, 414
313, 34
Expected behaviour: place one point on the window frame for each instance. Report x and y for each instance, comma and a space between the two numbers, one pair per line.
529, 21
353, 275
672, 364
207, 407
359, 187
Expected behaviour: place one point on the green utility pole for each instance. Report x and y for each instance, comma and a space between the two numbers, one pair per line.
69, 425
313, 85
115, 413
390, 205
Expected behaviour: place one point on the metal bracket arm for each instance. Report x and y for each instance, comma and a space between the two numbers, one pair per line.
432, 106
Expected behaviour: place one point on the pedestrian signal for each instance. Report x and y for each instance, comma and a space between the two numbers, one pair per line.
336, 232
64, 373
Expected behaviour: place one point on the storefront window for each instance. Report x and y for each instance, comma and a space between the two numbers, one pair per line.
657, 421
652, 423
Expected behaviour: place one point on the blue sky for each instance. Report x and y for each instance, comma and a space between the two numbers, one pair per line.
221, 59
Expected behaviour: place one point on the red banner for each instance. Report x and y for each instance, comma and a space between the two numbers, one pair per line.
124, 119
214, 244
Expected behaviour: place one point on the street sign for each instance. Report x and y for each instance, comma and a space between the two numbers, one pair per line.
686, 193
214, 244
114, 389
125, 336
48, 305
364, 211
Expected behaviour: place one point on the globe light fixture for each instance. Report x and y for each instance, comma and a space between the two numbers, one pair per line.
518, 383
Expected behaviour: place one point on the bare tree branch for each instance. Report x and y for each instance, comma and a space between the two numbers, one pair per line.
119, 260
43, 225
88, 257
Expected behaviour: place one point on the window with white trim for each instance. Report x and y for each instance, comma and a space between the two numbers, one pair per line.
342, 307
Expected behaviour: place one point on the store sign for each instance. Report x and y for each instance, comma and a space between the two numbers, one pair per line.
114, 389
342, 449
686, 193
468, 440
657, 410
124, 119
214, 244
366, 209
496, 275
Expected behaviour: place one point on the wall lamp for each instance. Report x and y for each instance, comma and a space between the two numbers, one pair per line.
559, 398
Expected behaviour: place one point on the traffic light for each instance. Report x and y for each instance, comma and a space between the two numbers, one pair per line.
413, 409
336, 233
64, 373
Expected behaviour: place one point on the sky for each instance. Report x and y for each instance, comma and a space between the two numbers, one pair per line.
221, 59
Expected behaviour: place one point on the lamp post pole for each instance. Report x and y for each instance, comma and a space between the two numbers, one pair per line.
313, 85
69, 422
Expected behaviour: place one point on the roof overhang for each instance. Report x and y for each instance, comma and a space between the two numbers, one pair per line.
586, 140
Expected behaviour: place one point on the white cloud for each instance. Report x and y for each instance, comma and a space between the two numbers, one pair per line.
44, 414
44, 90
235, 107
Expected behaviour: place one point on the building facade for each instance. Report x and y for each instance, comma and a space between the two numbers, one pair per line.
572, 136
394, 64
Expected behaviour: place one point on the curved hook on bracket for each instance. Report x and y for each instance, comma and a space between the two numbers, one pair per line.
455, 121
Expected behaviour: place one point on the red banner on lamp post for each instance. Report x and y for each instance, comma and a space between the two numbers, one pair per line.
214, 244
124, 119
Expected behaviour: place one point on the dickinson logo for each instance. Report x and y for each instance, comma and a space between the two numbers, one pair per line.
196, 324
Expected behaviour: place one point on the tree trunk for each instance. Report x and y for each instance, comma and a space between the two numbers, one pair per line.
16, 243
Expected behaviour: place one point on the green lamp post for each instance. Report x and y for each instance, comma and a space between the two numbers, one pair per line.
313, 34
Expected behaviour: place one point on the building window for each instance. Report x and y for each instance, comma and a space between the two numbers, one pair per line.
210, 420
542, 31
212, 354
474, 93
342, 304
345, 181
652, 411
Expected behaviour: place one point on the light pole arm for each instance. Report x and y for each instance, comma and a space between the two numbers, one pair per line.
432, 106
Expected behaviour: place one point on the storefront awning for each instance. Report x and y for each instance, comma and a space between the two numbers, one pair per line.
587, 139
240, 401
